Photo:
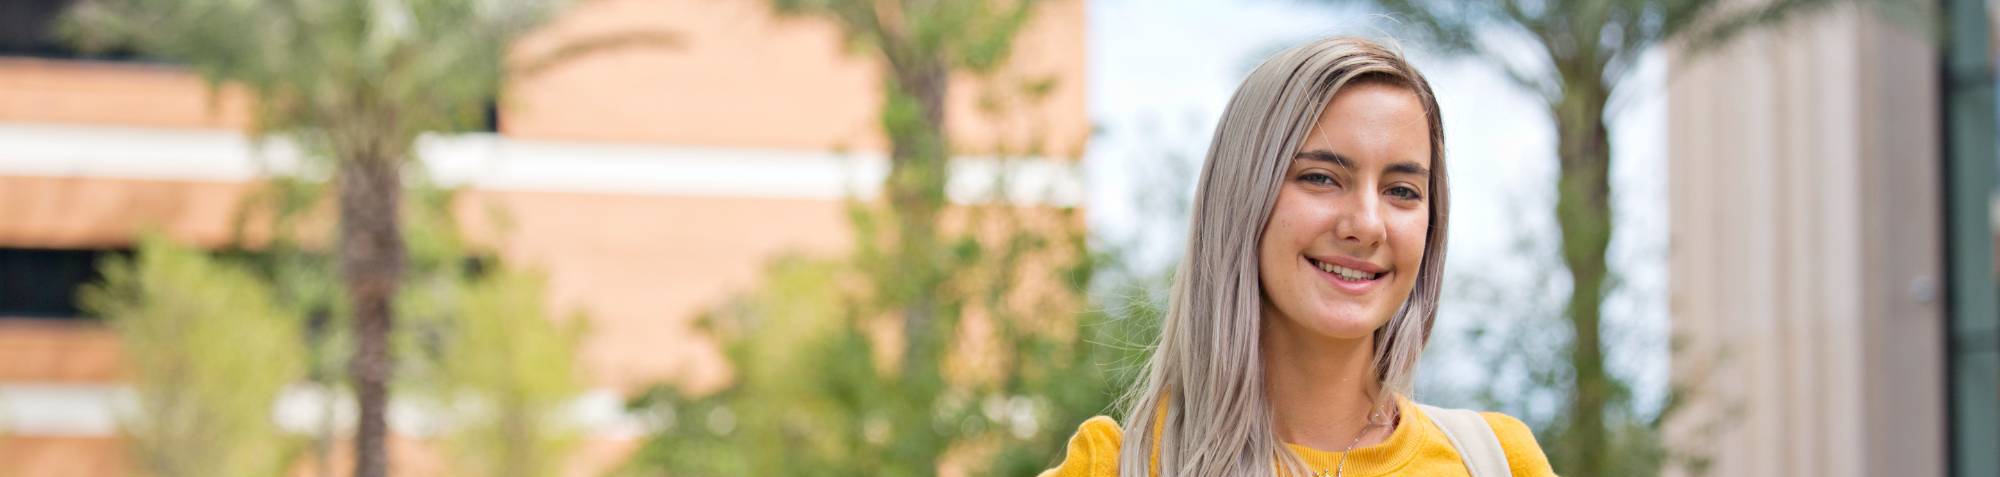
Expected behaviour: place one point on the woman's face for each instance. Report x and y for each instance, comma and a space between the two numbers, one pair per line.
1342, 247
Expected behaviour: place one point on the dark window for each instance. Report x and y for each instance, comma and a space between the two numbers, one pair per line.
29, 28
491, 119
1972, 183
42, 283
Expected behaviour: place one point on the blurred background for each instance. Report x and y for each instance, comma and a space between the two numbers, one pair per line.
913, 237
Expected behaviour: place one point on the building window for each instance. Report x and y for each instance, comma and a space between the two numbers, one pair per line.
28, 28
490, 116
1972, 202
43, 283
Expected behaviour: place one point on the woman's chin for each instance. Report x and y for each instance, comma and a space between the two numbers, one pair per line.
1345, 325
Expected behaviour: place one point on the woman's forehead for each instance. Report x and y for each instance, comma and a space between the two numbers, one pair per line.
1372, 124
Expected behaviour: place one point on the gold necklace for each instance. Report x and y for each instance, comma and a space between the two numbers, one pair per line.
1340, 467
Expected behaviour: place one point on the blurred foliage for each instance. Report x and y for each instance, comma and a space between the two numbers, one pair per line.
970, 35
817, 390
281, 232
347, 74
354, 83
952, 338
505, 374
209, 352
1581, 55
485, 359
488, 364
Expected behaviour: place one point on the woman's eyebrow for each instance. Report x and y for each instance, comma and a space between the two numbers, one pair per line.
1411, 168
1330, 157
1326, 156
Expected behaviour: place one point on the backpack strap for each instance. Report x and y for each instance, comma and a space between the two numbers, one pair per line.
1474, 439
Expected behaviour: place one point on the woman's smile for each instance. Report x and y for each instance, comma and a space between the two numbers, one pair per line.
1348, 275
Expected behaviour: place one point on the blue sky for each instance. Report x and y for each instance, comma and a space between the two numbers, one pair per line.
1162, 70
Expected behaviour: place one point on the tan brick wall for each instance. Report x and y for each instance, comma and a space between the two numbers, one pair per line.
113, 93
73, 212
742, 77
641, 267
43, 351
739, 77
35, 456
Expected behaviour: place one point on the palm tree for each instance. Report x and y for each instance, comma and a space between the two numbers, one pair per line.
1587, 52
352, 81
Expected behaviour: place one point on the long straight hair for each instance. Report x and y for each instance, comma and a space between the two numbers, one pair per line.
1206, 369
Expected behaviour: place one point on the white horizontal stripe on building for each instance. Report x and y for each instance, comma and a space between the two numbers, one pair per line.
95, 410
489, 161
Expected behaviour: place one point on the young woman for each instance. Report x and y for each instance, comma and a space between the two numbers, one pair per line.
1314, 260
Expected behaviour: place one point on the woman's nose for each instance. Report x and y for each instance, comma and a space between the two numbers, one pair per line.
1357, 222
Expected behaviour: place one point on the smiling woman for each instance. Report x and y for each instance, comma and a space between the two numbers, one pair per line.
1307, 291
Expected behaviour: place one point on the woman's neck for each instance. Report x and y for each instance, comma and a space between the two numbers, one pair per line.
1321, 389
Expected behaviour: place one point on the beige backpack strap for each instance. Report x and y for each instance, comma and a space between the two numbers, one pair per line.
1474, 439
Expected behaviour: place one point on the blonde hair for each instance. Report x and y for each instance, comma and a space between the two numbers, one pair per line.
1206, 363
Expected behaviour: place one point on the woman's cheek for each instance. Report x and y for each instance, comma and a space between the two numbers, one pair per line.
1409, 236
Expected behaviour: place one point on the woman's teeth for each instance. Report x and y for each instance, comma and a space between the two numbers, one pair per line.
1346, 273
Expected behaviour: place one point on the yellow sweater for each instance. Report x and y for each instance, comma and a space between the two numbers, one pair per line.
1416, 447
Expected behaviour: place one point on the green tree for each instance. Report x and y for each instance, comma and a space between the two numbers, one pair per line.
272, 229
506, 371
954, 337
919, 45
817, 387
355, 82
1585, 52
821, 385
209, 350
480, 351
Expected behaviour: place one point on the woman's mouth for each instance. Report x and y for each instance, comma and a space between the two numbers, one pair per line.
1344, 273
1348, 278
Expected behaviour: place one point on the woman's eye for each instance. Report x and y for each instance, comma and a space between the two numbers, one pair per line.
1404, 192
1316, 178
